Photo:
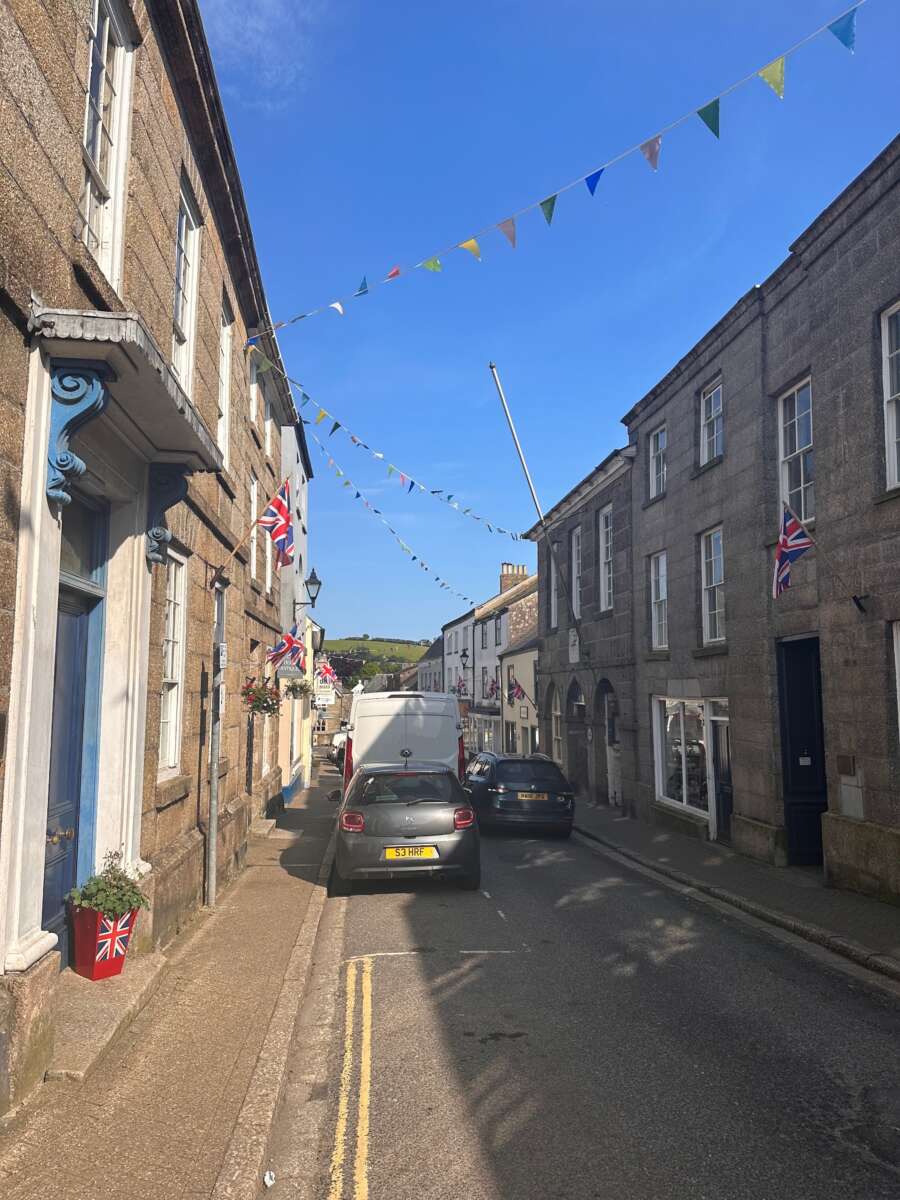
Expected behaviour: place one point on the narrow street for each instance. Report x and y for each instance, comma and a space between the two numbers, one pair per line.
575, 1031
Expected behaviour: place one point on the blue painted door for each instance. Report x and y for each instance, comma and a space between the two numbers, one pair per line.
66, 754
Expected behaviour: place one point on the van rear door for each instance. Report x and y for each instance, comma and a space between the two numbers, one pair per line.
431, 729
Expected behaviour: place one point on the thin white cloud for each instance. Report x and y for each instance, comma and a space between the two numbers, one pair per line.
263, 51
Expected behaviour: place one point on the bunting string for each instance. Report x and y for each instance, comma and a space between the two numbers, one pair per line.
358, 494
404, 478
843, 27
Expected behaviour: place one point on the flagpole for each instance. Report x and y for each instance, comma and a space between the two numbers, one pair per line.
857, 600
219, 571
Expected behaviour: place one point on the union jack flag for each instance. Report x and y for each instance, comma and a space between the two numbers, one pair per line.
277, 521
326, 672
515, 692
112, 940
792, 542
290, 647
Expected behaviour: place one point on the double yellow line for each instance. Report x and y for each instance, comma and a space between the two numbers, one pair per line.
363, 968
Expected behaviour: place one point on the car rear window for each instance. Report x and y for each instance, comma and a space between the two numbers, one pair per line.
400, 787
535, 774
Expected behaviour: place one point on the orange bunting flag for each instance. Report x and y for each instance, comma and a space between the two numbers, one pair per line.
473, 248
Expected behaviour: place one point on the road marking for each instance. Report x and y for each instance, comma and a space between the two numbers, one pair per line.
501, 913
363, 958
490, 951
487, 895
340, 1133
361, 1173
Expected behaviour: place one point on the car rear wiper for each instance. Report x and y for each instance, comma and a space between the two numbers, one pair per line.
424, 800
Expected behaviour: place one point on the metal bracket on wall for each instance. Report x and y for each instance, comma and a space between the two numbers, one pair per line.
167, 485
78, 393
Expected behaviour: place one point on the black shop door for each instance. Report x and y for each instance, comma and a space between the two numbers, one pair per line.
803, 748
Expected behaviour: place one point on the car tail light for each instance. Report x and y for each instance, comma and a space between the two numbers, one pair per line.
461, 759
353, 822
463, 818
348, 761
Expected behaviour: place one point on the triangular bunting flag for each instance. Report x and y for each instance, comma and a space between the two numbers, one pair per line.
335, 427
592, 180
391, 470
412, 484
363, 289
547, 207
432, 264
337, 306
321, 417
357, 496
773, 75
709, 115
508, 227
844, 29
650, 150
347, 483
402, 479
393, 273
473, 248
304, 399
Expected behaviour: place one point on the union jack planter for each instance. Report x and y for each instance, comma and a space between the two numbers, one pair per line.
101, 942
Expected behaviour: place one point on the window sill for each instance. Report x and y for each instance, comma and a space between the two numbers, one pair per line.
658, 655
255, 435
171, 787
891, 493
710, 651
605, 614
256, 587
228, 482
693, 816
654, 500
702, 468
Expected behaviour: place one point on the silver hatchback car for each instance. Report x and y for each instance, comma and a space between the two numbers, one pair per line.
394, 822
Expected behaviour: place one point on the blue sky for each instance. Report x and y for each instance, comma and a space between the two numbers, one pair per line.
374, 134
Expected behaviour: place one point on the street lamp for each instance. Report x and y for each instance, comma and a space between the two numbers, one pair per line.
313, 587
464, 659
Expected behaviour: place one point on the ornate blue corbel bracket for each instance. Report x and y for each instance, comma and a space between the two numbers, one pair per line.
167, 485
79, 393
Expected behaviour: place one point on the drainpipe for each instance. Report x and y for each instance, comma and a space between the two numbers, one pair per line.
220, 659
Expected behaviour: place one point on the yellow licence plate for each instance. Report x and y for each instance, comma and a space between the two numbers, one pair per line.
533, 795
411, 852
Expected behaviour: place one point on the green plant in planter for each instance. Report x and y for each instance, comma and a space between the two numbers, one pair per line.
297, 688
262, 697
111, 891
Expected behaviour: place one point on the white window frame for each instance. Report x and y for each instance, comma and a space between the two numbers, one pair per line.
891, 401
712, 423
254, 513
659, 755
253, 393
102, 198
605, 531
656, 447
554, 593
556, 726
803, 509
575, 570
498, 631
226, 340
713, 589
172, 685
659, 601
187, 274
268, 544
484, 683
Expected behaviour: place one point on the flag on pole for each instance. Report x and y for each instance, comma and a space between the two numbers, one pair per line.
289, 647
793, 541
276, 520
325, 672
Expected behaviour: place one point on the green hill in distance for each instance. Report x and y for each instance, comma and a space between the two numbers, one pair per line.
377, 648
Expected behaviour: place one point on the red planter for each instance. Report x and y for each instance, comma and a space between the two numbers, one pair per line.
100, 942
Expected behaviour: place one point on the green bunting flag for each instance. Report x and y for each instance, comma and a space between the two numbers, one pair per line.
547, 207
432, 264
773, 75
391, 470
709, 115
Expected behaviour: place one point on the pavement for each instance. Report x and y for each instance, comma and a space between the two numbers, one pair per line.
579, 1030
861, 929
181, 1103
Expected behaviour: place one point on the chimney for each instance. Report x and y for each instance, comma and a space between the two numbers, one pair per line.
511, 574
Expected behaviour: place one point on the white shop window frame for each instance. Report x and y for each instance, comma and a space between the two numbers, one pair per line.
891, 402
658, 713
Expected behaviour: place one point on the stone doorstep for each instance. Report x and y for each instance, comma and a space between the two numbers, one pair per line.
88, 1017
262, 826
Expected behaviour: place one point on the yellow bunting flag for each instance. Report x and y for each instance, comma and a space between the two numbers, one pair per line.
473, 248
773, 75
321, 417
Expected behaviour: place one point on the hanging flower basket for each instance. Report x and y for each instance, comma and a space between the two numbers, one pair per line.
103, 913
262, 697
298, 688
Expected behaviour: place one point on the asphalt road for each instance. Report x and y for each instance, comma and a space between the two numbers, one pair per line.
576, 1031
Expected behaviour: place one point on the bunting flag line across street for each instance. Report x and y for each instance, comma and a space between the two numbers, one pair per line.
843, 27
264, 363
379, 515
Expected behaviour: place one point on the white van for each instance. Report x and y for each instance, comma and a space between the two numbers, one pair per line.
399, 727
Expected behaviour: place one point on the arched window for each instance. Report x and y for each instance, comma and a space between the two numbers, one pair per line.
555, 725
576, 709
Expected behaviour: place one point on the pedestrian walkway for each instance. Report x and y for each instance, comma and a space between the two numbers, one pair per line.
795, 898
156, 1116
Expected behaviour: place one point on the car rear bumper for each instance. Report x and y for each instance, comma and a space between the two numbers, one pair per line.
359, 856
492, 818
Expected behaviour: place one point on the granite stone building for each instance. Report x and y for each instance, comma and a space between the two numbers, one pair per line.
771, 723
137, 442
